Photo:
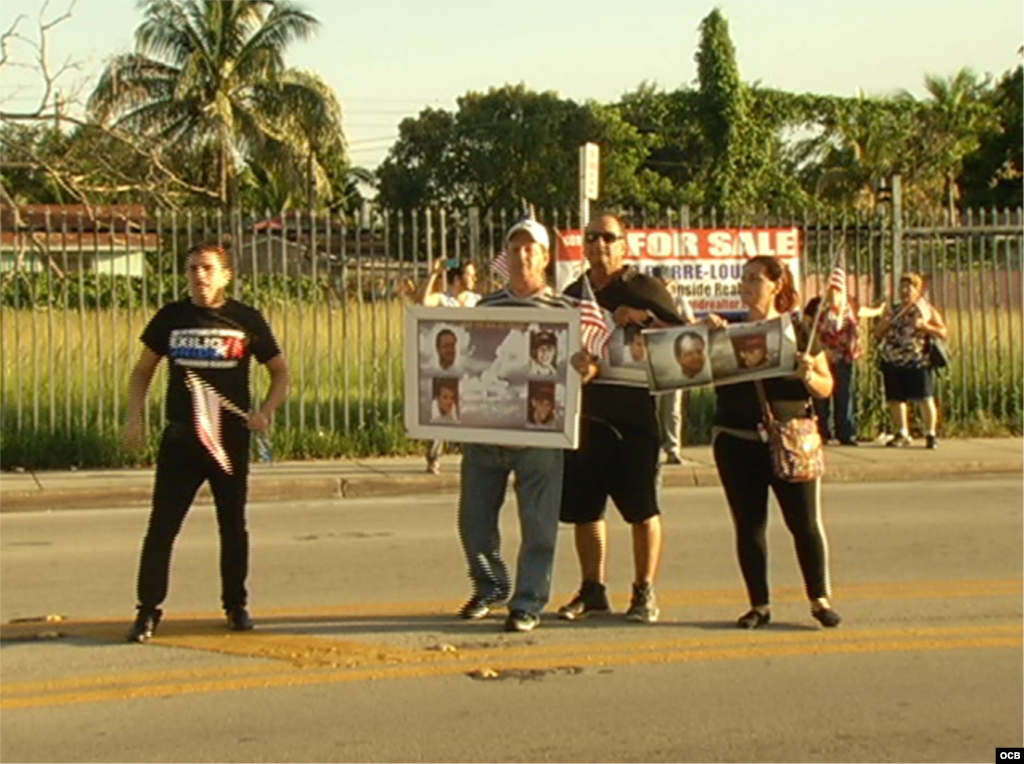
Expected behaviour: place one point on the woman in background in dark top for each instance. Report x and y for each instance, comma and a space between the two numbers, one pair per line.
743, 460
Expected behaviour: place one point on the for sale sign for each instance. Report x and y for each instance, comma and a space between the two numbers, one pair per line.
705, 263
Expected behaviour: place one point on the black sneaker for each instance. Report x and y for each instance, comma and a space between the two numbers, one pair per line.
478, 607
643, 608
592, 598
932, 442
521, 621
145, 624
239, 619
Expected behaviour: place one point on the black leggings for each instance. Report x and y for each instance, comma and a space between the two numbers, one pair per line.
745, 469
183, 464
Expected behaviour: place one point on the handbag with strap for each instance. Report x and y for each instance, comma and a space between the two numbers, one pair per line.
938, 353
795, 444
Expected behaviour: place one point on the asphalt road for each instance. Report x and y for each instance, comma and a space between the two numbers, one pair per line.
357, 656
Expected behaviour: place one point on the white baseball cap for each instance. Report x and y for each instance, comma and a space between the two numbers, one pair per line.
532, 227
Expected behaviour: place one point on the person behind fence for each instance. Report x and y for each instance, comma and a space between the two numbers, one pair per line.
451, 287
670, 405
839, 334
461, 281
538, 471
208, 340
743, 459
904, 332
619, 437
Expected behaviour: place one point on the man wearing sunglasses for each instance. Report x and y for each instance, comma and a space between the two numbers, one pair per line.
619, 436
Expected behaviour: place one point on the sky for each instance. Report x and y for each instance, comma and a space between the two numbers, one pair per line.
388, 59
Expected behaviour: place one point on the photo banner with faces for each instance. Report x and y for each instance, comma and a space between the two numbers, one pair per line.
705, 264
492, 375
696, 355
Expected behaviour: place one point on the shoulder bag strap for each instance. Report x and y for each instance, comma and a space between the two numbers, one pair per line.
766, 408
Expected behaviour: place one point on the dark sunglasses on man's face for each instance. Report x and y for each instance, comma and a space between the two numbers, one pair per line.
610, 237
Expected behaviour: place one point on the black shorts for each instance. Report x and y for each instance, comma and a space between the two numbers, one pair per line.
619, 462
908, 383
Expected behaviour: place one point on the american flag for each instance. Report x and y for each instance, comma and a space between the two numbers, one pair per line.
594, 329
499, 265
837, 280
206, 406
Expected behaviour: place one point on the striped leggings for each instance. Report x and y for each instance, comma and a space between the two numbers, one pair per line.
744, 467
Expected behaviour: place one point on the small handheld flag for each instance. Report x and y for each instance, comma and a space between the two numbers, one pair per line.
594, 329
206, 405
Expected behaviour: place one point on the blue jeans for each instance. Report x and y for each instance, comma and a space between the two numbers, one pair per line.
538, 486
839, 406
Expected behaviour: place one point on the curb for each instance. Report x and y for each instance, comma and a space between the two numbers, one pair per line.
268, 489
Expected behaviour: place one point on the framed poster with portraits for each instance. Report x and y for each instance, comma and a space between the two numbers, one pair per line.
626, 363
492, 375
695, 355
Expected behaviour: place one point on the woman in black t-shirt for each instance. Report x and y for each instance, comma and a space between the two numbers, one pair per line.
744, 464
208, 340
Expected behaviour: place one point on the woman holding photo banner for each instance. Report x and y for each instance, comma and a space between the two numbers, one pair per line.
743, 459
208, 340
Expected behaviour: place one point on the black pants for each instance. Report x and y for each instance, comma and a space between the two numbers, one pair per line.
745, 469
183, 464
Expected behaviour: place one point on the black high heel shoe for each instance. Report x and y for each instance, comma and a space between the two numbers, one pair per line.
754, 619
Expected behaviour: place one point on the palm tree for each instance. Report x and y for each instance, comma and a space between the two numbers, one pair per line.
209, 76
956, 118
311, 113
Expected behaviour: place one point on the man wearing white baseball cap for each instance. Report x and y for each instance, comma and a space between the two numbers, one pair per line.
538, 471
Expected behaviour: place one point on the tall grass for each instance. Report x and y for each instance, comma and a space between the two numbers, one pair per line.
64, 381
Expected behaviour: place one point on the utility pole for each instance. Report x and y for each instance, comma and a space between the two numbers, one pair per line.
590, 158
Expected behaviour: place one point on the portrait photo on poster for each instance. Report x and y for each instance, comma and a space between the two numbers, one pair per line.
695, 355
626, 363
492, 375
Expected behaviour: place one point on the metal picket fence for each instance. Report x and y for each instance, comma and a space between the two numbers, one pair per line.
79, 284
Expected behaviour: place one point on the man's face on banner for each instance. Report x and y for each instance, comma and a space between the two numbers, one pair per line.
690, 355
447, 348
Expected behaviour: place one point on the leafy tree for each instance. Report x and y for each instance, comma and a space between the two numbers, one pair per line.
208, 77
992, 173
956, 117
678, 152
724, 115
511, 147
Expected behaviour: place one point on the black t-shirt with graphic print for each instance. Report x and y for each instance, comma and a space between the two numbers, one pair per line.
215, 344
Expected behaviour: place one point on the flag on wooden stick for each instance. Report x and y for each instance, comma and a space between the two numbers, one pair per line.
837, 283
594, 329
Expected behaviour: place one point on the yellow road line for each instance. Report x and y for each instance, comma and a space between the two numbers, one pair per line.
449, 668
436, 664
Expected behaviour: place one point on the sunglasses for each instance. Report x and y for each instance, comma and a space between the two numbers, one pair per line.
609, 237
